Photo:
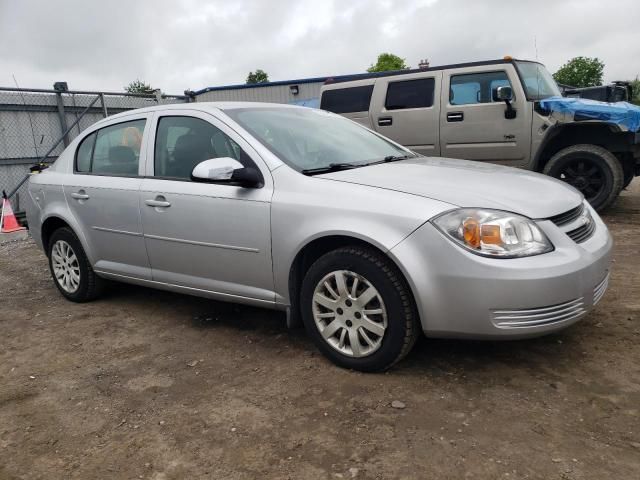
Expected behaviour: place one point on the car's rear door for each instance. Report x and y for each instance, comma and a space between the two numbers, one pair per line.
351, 100
406, 109
473, 126
102, 193
204, 236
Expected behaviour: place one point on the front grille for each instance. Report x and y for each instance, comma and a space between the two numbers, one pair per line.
583, 232
567, 217
598, 292
537, 317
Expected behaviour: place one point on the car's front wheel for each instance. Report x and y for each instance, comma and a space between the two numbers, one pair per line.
593, 170
358, 309
70, 267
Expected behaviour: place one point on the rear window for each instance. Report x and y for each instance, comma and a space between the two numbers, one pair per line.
410, 94
346, 100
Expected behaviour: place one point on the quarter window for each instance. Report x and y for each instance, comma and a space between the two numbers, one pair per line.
113, 150
347, 100
183, 142
410, 94
475, 87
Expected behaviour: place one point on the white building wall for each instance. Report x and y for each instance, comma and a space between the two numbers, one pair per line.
272, 94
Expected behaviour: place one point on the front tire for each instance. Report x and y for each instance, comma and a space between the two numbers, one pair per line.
70, 267
593, 170
358, 309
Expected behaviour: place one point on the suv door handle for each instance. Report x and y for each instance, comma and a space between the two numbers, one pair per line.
80, 195
455, 117
159, 201
385, 121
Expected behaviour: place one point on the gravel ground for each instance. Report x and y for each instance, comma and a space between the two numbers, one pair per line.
148, 384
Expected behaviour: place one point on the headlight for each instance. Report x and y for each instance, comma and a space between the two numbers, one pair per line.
493, 233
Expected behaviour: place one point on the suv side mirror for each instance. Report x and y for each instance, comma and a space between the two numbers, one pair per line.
226, 170
505, 94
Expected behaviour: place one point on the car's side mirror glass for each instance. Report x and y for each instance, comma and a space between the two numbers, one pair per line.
226, 170
503, 94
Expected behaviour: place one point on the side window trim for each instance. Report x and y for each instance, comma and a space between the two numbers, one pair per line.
94, 133
484, 72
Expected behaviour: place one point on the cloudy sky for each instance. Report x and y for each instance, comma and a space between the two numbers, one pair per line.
180, 44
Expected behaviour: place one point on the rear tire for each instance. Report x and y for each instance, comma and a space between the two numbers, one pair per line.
70, 267
593, 170
370, 311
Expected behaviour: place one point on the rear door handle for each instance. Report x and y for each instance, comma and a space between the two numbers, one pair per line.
80, 195
159, 201
455, 117
385, 121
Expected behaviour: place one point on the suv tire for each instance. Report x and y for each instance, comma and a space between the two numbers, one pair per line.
370, 321
70, 267
593, 170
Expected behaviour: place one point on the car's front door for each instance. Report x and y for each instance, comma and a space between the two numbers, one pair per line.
474, 126
102, 193
205, 236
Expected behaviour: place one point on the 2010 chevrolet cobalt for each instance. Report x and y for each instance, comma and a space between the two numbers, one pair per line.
305, 211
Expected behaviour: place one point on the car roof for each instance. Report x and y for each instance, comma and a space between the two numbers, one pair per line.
201, 106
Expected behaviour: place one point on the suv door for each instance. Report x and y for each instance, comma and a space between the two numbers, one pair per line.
352, 100
406, 109
205, 236
473, 126
102, 193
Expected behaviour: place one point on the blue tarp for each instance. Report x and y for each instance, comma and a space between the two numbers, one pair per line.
620, 113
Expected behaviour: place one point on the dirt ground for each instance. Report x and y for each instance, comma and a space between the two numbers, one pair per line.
148, 384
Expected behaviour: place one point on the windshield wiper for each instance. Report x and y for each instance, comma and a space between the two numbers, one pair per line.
395, 158
332, 167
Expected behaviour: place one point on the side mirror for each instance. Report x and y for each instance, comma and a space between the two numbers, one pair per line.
226, 170
505, 94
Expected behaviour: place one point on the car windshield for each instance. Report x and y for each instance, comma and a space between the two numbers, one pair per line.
538, 82
309, 139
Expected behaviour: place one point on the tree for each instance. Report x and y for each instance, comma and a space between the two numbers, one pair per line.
138, 86
580, 72
635, 87
388, 61
259, 76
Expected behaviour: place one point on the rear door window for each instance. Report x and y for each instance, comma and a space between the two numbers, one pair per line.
475, 87
113, 150
410, 94
347, 100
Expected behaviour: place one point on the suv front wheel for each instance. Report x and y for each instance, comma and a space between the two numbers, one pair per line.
593, 170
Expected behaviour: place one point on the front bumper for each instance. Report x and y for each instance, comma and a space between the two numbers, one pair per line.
459, 294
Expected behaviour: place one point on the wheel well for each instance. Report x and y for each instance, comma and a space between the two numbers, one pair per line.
49, 226
603, 135
308, 255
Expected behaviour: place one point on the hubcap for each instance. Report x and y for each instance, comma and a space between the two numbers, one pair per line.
349, 313
586, 175
66, 269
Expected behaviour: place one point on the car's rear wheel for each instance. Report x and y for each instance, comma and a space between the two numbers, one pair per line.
593, 170
70, 267
358, 309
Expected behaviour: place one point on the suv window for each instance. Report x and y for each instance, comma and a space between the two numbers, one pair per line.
183, 142
475, 87
410, 94
347, 100
113, 150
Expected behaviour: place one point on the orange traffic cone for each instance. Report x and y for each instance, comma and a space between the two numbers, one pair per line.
8, 221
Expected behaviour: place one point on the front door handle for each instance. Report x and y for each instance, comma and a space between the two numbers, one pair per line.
455, 117
80, 195
158, 202
385, 121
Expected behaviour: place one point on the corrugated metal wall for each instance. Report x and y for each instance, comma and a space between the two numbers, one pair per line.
273, 94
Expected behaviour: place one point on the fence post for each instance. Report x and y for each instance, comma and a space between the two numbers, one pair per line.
104, 106
62, 117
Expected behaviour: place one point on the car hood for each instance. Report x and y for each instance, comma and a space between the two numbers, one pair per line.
468, 184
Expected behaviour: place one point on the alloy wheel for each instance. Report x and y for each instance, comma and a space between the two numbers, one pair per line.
66, 268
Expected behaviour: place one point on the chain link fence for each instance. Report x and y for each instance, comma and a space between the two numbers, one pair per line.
33, 120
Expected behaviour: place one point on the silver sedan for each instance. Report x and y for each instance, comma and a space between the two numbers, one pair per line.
297, 209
